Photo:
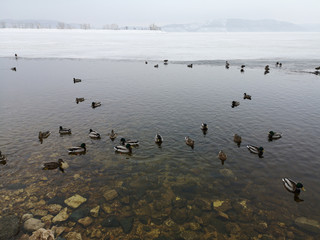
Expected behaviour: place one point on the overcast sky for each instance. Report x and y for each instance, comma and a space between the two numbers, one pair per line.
160, 12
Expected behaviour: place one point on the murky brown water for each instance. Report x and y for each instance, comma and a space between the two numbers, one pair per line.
172, 191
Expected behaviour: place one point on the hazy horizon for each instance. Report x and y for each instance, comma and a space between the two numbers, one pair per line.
144, 13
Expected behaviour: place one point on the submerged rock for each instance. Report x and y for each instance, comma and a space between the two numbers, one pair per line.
42, 234
110, 221
73, 236
33, 224
126, 224
110, 195
75, 201
95, 211
62, 216
9, 227
85, 221
308, 224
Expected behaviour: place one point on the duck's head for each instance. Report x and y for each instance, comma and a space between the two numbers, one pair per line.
60, 161
300, 185
128, 146
260, 149
83, 145
271, 133
90, 130
60, 127
122, 140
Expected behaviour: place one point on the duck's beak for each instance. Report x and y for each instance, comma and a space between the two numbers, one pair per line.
303, 189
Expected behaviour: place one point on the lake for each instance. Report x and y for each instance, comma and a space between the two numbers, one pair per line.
170, 191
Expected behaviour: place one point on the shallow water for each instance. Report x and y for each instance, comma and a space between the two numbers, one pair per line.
139, 101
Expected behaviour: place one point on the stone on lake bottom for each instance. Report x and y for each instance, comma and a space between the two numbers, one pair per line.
75, 201
110, 195
85, 221
42, 234
33, 224
62, 216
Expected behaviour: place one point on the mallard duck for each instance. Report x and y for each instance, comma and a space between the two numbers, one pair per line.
16, 56
79, 100
53, 165
189, 142
242, 70
123, 149
14, 69
156, 66
166, 60
317, 68
3, 159
78, 150
243, 66
227, 65
158, 138
76, 80
256, 150
267, 68
246, 96
112, 135
190, 65
131, 142
95, 104
94, 134
44, 134
274, 135
292, 186
266, 72
64, 130
237, 139
145, 62
235, 104
222, 156
204, 127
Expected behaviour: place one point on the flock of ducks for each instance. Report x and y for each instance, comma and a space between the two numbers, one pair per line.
126, 145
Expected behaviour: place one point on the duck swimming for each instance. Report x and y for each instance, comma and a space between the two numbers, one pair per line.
234, 104
131, 142
204, 127
95, 104
44, 134
189, 142
14, 69
246, 96
222, 156
76, 80
190, 65
3, 159
94, 134
294, 188
79, 100
256, 150
237, 139
112, 135
156, 66
274, 135
78, 150
158, 138
227, 65
123, 149
53, 165
64, 130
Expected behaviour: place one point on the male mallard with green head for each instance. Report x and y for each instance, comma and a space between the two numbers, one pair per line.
78, 150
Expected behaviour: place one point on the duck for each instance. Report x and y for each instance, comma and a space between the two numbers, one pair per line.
227, 65
317, 68
158, 138
145, 62
256, 150
3, 159
166, 60
235, 104
14, 69
243, 66
189, 142
53, 165
267, 68
94, 134
64, 130
190, 65
277, 64
266, 72
112, 135
76, 80
123, 149
16, 56
222, 156
242, 70
204, 127
246, 96
274, 135
79, 100
131, 142
78, 150
44, 134
156, 66
95, 104
237, 139
292, 186
280, 64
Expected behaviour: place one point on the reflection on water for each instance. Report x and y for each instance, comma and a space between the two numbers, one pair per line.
168, 191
